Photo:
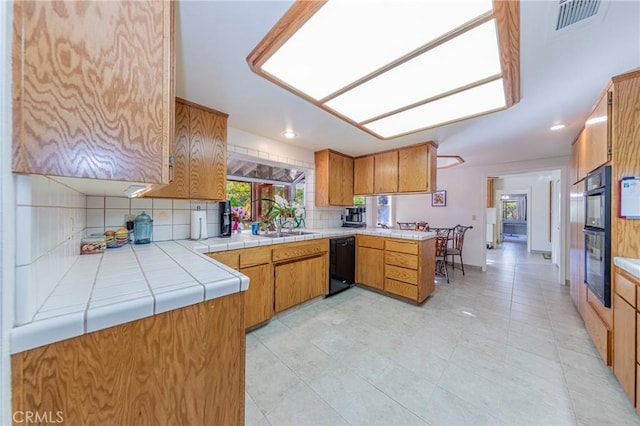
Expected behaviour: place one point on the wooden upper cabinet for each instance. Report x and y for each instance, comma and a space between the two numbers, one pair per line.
386, 172
88, 103
363, 175
574, 173
417, 169
200, 154
597, 134
334, 179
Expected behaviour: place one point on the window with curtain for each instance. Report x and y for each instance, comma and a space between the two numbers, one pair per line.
514, 207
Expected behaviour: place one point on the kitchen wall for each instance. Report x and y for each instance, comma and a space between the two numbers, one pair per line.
466, 203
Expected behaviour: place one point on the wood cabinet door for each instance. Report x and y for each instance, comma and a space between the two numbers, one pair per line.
89, 104
297, 282
347, 182
624, 345
335, 178
597, 135
179, 187
370, 267
363, 175
417, 169
207, 155
258, 299
386, 173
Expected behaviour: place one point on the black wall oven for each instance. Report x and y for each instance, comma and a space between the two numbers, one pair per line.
597, 234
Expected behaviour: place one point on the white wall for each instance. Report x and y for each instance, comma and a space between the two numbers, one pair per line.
7, 214
466, 202
539, 206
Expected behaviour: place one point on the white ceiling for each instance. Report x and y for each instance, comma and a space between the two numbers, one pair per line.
562, 75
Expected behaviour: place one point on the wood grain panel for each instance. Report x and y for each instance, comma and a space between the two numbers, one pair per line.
370, 241
401, 246
293, 251
346, 183
335, 177
625, 288
415, 169
182, 367
179, 187
208, 155
370, 267
386, 173
401, 259
363, 175
299, 281
400, 288
401, 274
624, 345
596, 135
229, 258
626, 152
322, 178
426, 285
255, 256
92, 106
507, 14
258, 303
598, 331
605, 314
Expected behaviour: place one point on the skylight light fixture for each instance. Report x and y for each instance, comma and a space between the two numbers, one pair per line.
396, 67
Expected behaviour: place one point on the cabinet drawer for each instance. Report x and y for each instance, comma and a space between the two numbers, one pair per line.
598, 331
229, 258
401, 246
401, 259
372, 242
409, 291
638, 339
401, 274
296, 250
626, 289
255, 256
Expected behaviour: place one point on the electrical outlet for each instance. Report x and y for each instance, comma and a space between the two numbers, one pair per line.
129, 217
473, 217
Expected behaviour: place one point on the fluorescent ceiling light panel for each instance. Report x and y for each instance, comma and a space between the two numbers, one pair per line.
346, 40
464, 60
475, 101
396, 67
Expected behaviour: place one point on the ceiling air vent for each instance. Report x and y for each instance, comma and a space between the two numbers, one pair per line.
572, 11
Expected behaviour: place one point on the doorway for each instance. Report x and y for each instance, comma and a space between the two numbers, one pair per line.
513, 218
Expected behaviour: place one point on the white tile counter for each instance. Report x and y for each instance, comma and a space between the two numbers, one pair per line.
245, 239
628, 264
122, 285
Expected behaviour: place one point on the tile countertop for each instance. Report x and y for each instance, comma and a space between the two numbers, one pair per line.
123, 285
137, 281
628, 264
245, 239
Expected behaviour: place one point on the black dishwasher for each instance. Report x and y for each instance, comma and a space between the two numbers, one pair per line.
342, 264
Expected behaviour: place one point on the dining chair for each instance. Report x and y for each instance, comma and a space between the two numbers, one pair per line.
457, 241
441, 242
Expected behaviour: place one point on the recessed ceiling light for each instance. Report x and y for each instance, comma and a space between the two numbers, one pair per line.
557, 127
443, 57
289, 134
595, 120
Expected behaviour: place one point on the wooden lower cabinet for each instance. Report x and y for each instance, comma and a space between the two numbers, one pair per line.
258, 306
370, 267
299, 281
624, 345
183, 367
599, 332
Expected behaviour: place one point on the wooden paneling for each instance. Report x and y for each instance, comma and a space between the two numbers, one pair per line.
208, 155
369, 241
596, 135
624, 345
255, 256
370, 267
507, 14
334, 179
363, 175
625, 160
401, 259
417, 169
401, 274
490, 201
401, 246
182, 367
598, 331
229, 258
91, 106
625, 288
299, 281
293, 251
386, 173
258, 306
400, 288
179, 187
605, 314
427, 285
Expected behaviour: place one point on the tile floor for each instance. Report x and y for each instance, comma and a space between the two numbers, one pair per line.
502, 347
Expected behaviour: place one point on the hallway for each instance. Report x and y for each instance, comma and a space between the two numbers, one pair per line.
501, 347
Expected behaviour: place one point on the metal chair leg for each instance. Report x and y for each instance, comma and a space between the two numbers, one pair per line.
462, 263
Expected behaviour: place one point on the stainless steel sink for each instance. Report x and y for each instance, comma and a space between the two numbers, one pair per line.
286, 234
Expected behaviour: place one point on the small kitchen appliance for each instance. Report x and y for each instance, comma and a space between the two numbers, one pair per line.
225, 218
142, 228
355, 217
